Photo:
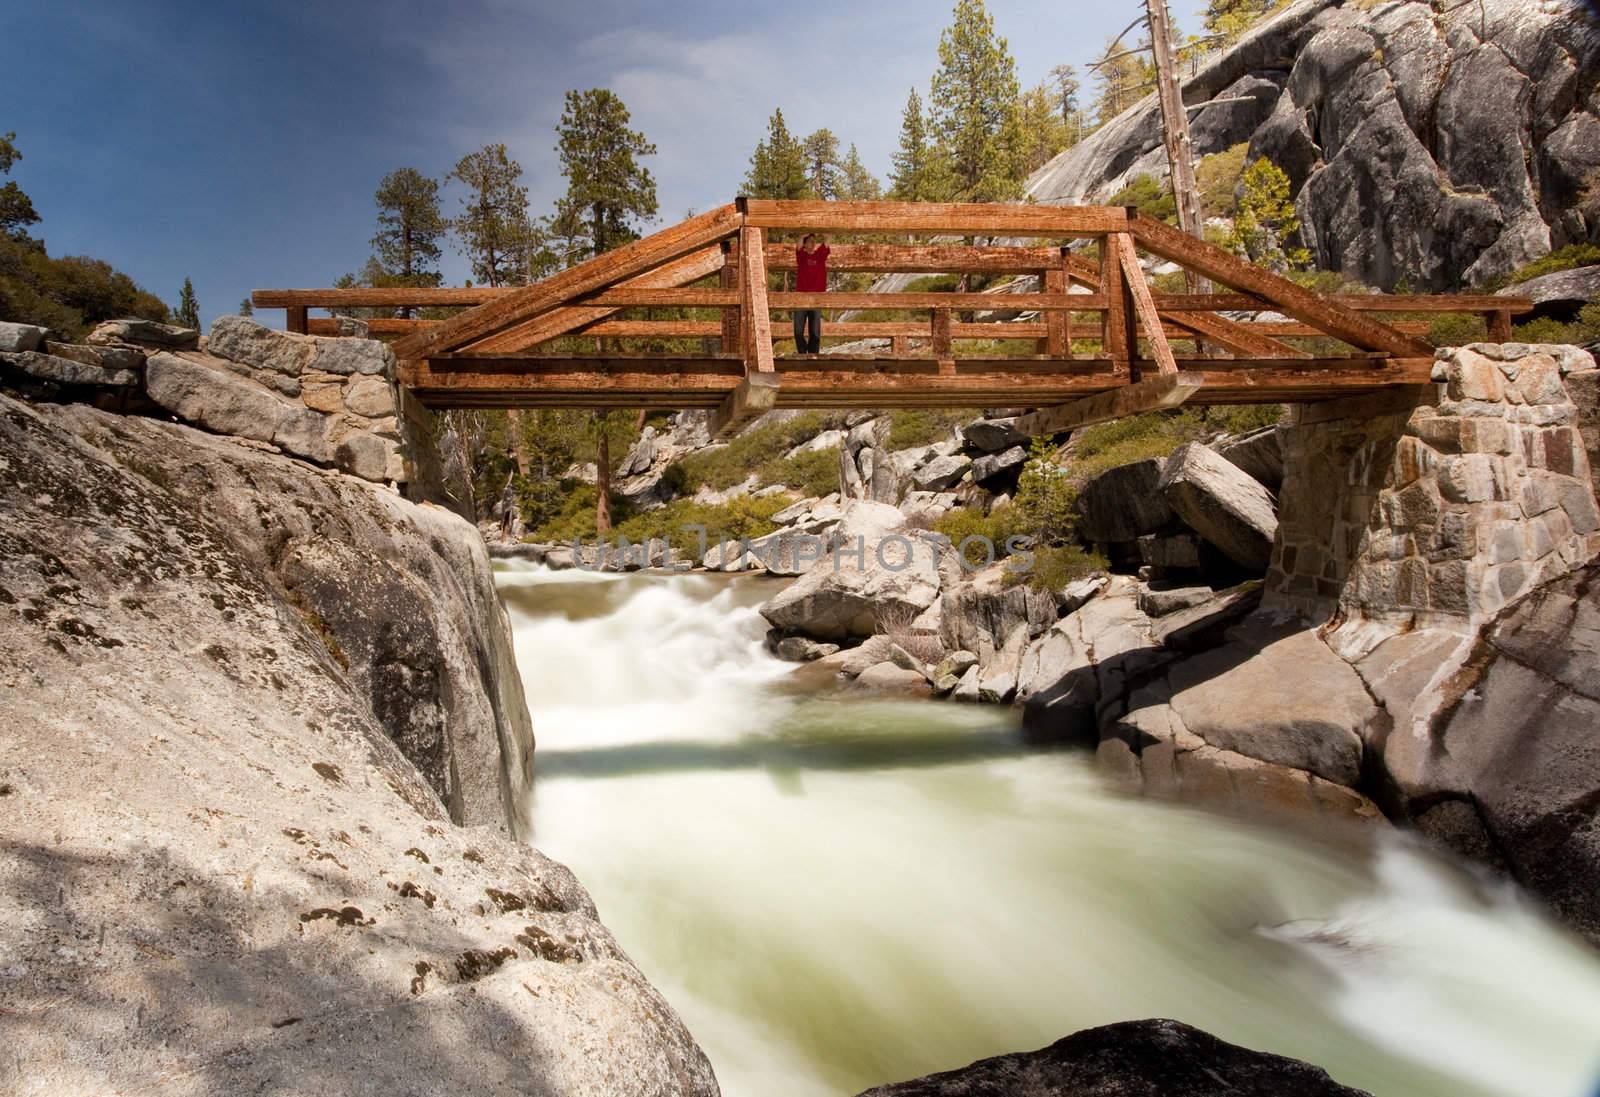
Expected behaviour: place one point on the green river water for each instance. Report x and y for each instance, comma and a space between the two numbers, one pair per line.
837, 891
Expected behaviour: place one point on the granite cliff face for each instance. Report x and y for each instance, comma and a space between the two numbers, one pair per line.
1433, 145
263, 756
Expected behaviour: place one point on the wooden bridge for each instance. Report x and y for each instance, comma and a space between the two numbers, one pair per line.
1104, 343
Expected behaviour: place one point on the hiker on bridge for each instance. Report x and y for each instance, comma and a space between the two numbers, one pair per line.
811, 276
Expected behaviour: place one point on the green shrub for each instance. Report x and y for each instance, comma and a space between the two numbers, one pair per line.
1241, 418
1584, 330
1124, 441
1151, 196
1568, 258
815, 472
575, 517
910, 427
1456, 330
731, 464
1055, 566
1218, 177
995, 527
743, 517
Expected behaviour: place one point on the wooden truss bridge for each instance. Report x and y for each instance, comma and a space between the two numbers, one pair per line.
1104, 343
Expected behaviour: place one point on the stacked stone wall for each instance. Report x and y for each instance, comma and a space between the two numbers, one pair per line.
1443, 512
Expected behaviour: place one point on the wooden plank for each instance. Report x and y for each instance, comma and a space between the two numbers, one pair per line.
1356, 302
1160, 349
1114, 325
755, 395
753, 287
1498, 323
728, 279
988, 219
941, 334
1056, 343
1291, 299
679, 272
1235, 337
603, 270
922, 258
1166, 390
983, 302
623, 297
295, 319
388, 297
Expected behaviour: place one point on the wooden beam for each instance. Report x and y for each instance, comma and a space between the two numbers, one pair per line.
1057, 341
989, 219
680, 272
1498, 323
1115, 342
624, 297
753, 288
941, 334
1160, 350
1355, 302
557, 290
836, 381
728, 279
983, 302
755, 395
922, 258
1238, 338
1296, 301
1166, 390
295, 319
387, 297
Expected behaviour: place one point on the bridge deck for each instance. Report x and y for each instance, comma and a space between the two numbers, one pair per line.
1103, 339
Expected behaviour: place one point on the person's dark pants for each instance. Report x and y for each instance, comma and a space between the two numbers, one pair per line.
808, 331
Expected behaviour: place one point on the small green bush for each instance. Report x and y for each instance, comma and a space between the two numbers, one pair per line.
924, 426
815, 472
1055, 566
731, 464
1568, 258
1582, 331
1124, 441
743, 517
1151, 196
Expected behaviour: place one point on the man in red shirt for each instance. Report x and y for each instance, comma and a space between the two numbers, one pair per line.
811, 267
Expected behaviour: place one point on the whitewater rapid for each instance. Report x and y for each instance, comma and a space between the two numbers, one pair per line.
837, 891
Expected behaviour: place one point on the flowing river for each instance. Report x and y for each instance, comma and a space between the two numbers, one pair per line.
836, 891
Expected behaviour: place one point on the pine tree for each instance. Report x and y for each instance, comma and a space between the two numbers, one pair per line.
188, 312
860, 185
247, 307
494, 223
1067, 90
915, 175
607, 188
974, 106
16, 208
1265, 221
778, 166
1122, 78
409, 227
1231, 18
1043, 133
823, 166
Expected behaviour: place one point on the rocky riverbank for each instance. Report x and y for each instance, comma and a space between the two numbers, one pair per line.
267, 756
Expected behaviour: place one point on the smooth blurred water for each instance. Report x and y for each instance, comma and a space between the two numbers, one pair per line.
837, 891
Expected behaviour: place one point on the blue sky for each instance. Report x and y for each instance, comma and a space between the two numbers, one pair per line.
239, 144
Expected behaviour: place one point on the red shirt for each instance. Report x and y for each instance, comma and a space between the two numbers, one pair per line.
812, 270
